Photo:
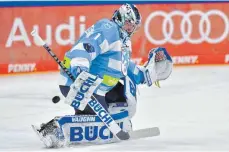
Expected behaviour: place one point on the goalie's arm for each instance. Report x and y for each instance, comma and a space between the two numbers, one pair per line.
79, 58
158, 67
135, 73
76, 61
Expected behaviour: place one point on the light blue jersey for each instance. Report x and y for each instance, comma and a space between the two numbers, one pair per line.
102, 51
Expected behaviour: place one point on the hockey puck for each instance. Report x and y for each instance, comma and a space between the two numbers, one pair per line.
56, 99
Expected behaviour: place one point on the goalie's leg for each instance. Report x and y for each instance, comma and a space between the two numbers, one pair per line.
116, 94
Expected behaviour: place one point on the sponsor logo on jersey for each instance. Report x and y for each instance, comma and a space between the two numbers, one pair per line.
16, 68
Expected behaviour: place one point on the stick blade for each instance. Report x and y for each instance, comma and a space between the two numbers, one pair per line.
145, 133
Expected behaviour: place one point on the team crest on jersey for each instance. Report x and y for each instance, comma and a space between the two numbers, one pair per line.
88, 47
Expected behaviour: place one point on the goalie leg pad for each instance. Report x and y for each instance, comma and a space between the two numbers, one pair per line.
77, 129
90, 129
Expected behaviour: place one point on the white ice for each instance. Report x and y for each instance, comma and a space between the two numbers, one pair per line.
191, 109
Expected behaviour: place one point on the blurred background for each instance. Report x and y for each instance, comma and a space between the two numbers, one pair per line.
194, 33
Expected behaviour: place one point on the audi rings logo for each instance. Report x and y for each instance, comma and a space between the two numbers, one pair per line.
186, 27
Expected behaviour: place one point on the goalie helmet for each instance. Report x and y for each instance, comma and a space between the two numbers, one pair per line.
128, 18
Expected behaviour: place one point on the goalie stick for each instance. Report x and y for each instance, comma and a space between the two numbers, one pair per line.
144, 133
113, 126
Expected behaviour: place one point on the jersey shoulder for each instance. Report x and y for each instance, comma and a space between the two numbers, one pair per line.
109, 30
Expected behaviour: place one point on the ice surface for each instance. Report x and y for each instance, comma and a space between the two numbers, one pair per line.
191, 110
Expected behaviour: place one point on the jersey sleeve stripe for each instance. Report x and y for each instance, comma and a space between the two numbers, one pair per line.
104, 46
114, 64
116, 46
80, 62
81, 54
79, 46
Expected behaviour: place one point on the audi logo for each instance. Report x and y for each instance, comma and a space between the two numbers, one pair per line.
186, 27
